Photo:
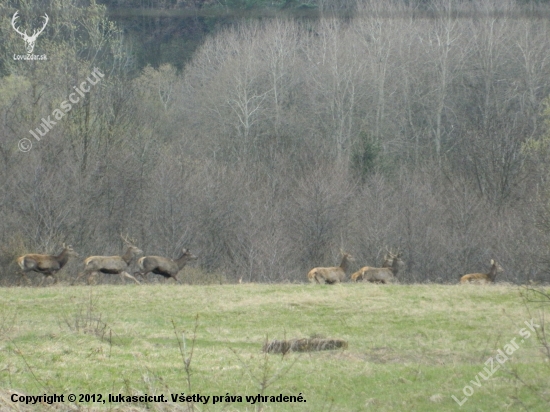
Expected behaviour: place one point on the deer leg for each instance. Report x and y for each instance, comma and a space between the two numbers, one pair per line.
24, 276
143, 276
89, 279
78, 277
316, 278
127, 275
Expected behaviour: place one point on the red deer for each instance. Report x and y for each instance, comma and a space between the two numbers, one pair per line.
483, 277
163, 266
385, 274
112, 265
331, 275
48, 265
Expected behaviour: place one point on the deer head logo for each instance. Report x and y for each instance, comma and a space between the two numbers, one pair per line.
30, 40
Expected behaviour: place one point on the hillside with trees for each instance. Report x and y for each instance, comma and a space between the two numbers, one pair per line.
267, 139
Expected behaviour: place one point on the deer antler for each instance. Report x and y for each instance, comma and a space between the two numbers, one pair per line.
391, 254
46, 20
14, 18
128, 240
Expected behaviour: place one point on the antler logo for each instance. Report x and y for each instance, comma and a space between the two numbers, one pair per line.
30, 40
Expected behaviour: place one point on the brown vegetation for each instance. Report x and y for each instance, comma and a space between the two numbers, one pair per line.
304, 345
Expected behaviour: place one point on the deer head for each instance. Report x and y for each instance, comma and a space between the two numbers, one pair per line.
30, 40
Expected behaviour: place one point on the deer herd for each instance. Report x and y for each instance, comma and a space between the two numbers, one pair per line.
387, 273
49, 265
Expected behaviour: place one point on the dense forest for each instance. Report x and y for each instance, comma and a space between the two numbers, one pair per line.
269, 138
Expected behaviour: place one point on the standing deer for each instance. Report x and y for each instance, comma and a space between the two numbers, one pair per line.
385, 274
331, 275
112, 265
163, 266
48, 265
483, 277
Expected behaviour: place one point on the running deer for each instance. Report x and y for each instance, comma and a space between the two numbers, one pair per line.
112, 265
48, 265
483, 277
163, 266
331, 275
386, 274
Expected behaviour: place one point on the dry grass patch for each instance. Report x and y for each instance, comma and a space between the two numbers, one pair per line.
303, 345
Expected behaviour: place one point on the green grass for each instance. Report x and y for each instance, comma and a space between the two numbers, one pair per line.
410, 346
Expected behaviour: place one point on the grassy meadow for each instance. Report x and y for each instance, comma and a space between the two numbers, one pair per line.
410, 347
